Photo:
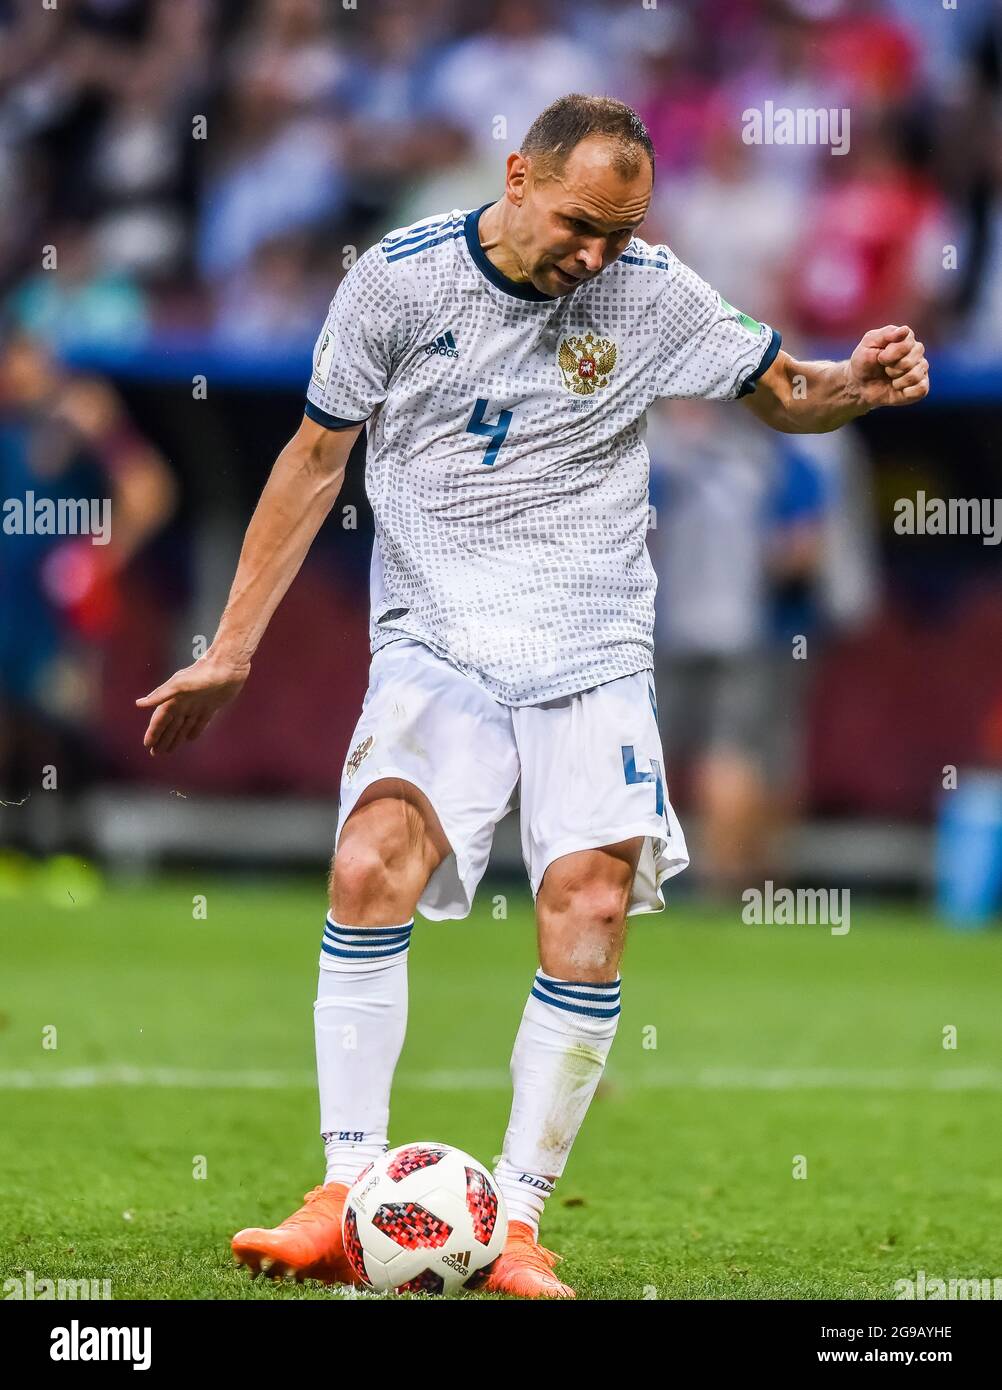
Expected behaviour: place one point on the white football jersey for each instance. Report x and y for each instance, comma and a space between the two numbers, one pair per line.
506, 463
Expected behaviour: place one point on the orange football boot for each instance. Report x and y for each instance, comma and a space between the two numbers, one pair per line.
307, 1245
525, 1268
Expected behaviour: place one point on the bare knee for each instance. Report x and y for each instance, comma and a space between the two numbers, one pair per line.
581, 912
361, 883
591, 888
383, 861
600, 905
584, 939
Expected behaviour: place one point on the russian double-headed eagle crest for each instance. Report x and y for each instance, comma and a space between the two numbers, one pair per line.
586, 363
357, 756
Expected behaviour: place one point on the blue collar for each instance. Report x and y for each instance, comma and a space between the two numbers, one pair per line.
521, 289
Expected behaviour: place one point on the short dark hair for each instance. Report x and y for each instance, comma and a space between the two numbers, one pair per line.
573, 118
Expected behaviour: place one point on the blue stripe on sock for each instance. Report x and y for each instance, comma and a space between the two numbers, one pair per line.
343, 954
574, 1008
358, 937
571, 994
583, 990
373, 931
579, 984
364, 943
364, 952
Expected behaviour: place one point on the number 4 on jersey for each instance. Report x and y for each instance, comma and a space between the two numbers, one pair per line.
495, 433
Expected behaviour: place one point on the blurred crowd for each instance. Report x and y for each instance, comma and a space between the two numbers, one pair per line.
202, 172
201, 165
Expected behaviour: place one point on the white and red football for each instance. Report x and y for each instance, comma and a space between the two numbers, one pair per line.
424, 1218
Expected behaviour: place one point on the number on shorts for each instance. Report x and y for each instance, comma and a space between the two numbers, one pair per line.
633, 776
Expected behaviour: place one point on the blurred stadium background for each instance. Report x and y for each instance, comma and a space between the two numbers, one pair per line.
205, 170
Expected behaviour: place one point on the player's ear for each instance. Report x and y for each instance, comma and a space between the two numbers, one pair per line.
517, 177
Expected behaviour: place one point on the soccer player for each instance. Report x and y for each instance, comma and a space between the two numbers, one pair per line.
501, 360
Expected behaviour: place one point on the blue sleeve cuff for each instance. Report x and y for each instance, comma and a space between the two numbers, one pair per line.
329, 422
768, 357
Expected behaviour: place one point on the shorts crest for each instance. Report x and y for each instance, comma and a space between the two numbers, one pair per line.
357, 756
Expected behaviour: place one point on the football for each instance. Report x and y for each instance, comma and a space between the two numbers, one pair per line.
424, 1218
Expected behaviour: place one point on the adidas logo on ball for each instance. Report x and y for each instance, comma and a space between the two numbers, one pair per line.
460, 1263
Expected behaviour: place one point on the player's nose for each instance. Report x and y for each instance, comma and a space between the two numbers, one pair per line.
589, 257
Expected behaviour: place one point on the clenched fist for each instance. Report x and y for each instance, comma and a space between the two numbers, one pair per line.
889, 367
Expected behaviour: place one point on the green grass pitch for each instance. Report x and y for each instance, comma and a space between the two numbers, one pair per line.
184, 1043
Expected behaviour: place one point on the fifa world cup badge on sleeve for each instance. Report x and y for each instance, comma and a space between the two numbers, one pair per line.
325, 358
745, 320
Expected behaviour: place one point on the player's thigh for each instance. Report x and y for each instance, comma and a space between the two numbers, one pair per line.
402, 817
432, 767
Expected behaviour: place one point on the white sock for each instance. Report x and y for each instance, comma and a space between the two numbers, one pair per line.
560, 1051
360, 1017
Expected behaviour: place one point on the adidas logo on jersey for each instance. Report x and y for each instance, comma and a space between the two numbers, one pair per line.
443, 346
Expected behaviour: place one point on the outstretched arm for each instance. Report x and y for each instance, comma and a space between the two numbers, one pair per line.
887, 368
301, 490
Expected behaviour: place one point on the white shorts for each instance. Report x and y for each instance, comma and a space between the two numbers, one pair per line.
586, 770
